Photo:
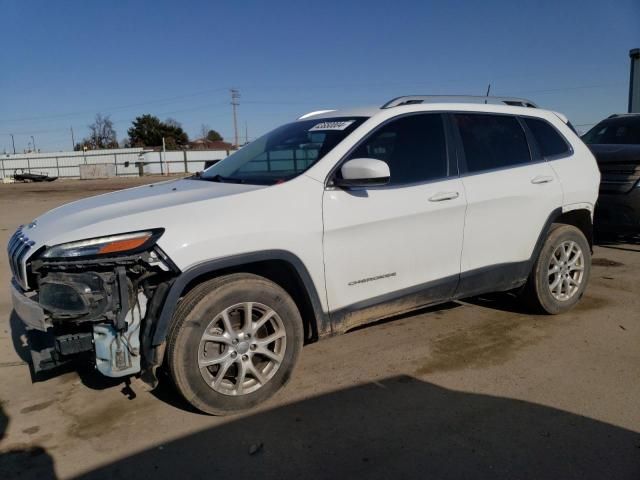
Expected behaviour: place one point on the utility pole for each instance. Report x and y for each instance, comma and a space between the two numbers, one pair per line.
33, 140
73, 142
246, 133
235, 95
13, 143
634, 81
164, 159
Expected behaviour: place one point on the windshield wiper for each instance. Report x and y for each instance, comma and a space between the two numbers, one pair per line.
221, 179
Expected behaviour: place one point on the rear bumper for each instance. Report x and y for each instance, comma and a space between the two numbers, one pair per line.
619, 213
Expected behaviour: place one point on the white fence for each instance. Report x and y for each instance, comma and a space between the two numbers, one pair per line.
125, 161
191, 161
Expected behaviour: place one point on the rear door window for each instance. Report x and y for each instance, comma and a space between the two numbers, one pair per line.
550, 142
492, 141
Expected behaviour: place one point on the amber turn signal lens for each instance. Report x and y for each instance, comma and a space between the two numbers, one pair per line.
124, 245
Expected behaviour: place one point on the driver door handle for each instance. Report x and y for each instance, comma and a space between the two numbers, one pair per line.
441, 196
541, 179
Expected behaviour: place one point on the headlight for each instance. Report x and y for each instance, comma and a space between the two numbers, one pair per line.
111, 245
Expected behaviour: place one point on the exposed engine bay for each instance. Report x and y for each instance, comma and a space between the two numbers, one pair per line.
101, 308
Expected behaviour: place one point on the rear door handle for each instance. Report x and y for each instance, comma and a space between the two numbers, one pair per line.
441, 196
541, 179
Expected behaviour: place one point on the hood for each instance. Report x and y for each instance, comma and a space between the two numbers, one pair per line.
619, 165
127, 210
624, 153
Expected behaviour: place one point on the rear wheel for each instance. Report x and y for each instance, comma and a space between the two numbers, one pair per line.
560, 274
234, 343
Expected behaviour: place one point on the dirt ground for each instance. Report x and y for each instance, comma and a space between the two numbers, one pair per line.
474, 389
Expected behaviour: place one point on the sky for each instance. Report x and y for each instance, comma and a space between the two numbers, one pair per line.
61, 62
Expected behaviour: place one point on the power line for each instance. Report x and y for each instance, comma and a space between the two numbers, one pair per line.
235, 104
567, 89
165, 100
119, 107
126, 120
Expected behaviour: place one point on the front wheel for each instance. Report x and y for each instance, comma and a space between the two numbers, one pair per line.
234, 343
560, 274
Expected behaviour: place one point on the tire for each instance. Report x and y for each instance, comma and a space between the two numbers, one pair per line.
208, 371
538, 293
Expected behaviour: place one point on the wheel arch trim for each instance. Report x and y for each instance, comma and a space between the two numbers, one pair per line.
180, 283
578, 206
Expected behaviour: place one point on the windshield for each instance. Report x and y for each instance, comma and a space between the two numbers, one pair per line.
621, 130
284, 153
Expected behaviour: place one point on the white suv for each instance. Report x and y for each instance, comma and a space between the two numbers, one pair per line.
335, 220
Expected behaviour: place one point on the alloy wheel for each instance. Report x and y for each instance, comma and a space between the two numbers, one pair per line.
566, 270
242, 348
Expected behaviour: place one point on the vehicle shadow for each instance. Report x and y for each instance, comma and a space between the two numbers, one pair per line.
89, 376
412, 313
625, 242
18, 460
503, 301
22, 344
165, 391
400, 427
19, 337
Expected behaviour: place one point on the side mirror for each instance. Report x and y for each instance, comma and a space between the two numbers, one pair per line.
363, 172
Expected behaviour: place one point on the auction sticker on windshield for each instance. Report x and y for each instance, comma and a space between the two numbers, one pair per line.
339, 125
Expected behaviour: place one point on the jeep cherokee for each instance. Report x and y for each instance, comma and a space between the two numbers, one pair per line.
324, 224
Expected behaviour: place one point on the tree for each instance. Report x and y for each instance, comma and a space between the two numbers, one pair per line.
172, 122
213, 136
102, 135
204, 129
147, 131
206, 133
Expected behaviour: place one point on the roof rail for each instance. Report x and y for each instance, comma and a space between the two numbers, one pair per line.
315, 112
414, 99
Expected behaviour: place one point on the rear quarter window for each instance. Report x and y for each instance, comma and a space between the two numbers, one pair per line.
549, 140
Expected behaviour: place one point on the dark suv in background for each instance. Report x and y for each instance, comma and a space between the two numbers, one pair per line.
615, 142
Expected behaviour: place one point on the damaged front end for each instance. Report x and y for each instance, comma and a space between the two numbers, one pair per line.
98, 297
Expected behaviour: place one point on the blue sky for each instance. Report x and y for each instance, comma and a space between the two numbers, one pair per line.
64, 61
